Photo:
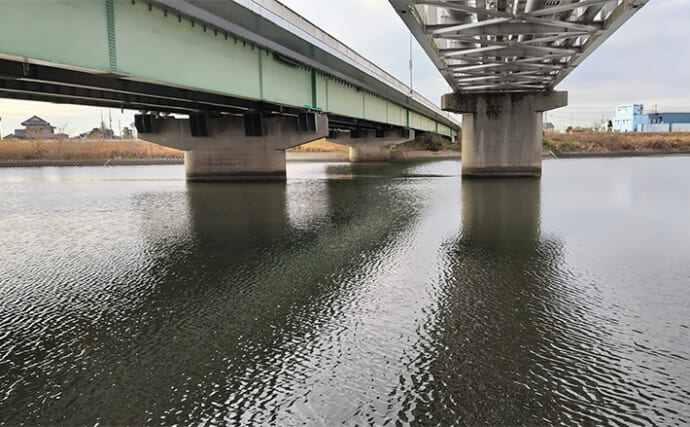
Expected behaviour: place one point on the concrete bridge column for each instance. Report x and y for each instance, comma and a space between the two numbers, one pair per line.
255, 164
371, 146
502, 132
370, 154
228, 153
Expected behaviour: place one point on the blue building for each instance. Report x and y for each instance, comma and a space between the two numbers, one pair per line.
630, 118
666, 122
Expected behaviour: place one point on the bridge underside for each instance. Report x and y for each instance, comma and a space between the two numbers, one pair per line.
503, 59
253, 77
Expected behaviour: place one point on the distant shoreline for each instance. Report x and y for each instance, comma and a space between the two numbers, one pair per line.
88, 162
585, 155
17, 153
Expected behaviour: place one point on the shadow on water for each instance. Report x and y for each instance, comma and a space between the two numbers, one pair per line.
225, 312
407, 169
355, 300
513, 341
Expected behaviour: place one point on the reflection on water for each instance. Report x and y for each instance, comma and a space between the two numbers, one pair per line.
512, 340
356, 295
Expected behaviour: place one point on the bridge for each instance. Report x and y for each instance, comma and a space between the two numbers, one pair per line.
254, 78
250, 77
503, 58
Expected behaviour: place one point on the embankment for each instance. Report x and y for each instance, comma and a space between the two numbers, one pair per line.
19, 153
81, 150
606, 144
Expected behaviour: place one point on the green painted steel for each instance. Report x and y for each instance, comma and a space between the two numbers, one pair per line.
321, 92
176, 50
375, 108
397, 115
62, 31
285, 83
144, 41
112, 45
345, 99
445, 130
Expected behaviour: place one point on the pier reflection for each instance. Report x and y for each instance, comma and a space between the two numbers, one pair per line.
234, 302
480, 361
515, 339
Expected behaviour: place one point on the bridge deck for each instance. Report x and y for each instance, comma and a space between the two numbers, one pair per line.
190, 55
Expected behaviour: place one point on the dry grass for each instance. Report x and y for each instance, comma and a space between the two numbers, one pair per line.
13, 149
605, 142
592, 142
321, 146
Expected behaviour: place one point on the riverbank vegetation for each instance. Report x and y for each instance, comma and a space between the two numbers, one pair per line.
15, 149
426, 142
608, 142
558, 143
319, 146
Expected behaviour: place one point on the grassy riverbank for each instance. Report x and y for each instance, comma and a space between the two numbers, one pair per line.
14, 149
420, 144
604, 142
320, 146
558, 143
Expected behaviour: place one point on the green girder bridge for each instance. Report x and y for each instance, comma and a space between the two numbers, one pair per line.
253, 76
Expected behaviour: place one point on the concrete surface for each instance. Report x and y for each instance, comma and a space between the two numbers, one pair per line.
227, 154
502, 132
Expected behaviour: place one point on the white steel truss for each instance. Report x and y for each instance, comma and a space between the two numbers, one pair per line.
511, 45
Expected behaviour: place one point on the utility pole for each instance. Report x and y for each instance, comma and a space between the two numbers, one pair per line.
102, 127
411, 65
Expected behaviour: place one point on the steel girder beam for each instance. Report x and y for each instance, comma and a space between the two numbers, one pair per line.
47, 84
208, 55
475, 39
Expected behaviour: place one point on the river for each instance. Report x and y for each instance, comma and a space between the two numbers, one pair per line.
356, 294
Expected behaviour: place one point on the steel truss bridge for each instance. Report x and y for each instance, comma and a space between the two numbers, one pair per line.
485, 46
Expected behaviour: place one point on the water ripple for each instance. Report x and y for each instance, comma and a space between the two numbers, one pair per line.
396, 296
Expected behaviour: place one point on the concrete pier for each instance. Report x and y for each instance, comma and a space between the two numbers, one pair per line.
235, 165
502, 132
370, 154
372, 146
227, 153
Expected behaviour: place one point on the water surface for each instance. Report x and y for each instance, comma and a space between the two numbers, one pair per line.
356, 294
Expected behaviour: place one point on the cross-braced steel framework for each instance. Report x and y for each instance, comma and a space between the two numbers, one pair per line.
511, 45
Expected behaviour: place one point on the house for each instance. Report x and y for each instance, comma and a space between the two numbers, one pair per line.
36, 128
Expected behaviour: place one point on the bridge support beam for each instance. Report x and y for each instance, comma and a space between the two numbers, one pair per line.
502, 132
227, 153
371, 146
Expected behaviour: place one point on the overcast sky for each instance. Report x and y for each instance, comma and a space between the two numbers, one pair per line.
646, 61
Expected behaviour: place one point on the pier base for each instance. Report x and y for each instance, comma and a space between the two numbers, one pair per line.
370, 154
502, 132
369, 145
235, 165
